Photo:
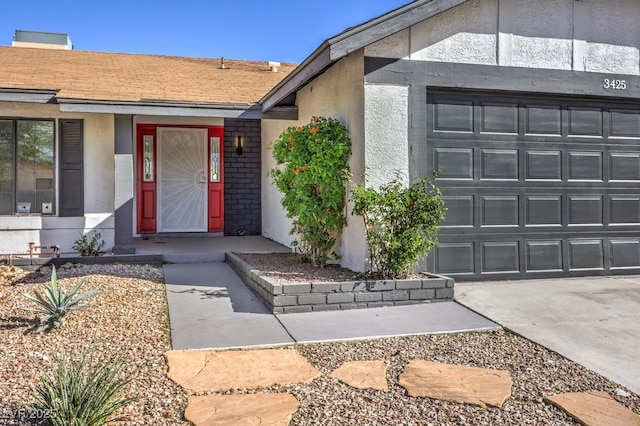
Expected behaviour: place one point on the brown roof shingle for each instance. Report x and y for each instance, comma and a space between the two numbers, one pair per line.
99, 76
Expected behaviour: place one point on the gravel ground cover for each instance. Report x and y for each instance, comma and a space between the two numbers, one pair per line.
130, 316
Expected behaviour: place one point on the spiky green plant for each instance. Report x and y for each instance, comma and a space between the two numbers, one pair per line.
82, 391
55, 304
89, 248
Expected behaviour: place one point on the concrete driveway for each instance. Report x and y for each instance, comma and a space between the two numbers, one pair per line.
592, 321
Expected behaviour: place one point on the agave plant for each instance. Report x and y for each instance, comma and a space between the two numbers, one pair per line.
55, 304
83, 391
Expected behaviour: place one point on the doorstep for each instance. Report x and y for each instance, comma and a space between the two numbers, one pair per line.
332, 296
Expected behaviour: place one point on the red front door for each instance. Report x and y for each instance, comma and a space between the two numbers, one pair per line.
180, 185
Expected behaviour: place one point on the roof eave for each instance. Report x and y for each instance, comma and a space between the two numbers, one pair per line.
353, 39
39, 96
162, 108
314, 64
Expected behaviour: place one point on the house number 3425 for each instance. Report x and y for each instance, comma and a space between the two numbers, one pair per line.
614, 84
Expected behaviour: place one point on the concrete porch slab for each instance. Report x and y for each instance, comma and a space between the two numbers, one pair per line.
202, 248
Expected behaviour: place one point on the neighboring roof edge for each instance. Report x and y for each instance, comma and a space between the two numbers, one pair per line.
38, 96
352, 39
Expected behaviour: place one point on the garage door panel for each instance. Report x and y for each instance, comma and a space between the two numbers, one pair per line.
624, 166
460, 211
544, 210
543, 120
499, 118
624, 210
535, 187
499, 164
586, 166
586, 255
586, 122
585, 210
503, 211
454, 163
545, 165
501, 257
455, 258
544, 255
453, 117
625, 123
625, 253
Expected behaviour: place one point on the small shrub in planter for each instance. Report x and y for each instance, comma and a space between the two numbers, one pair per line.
87, 247
82, 391
55, 304
401, 224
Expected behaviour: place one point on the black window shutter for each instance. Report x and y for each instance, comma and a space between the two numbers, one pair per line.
71, 168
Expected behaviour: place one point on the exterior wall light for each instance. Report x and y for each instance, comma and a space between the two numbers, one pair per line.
239, 145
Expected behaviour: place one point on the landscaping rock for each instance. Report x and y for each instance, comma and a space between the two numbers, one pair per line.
363, 374
594, 408
216, 371
264, 409
469, 385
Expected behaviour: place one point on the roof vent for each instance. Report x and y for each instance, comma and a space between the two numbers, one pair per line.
274, 66
42, 40
222, 65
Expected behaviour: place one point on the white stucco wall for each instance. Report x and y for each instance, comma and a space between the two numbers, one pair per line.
339, 94
467, 32
386, 132
17, 231
585, 35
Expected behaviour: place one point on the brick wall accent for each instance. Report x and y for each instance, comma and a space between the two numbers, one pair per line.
242, 173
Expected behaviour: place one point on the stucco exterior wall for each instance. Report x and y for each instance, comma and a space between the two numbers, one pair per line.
99, 165
338, 93
586, 35
386, 132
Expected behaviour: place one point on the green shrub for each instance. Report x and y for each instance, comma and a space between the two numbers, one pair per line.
87, 247
55, 304
81, 392
401, 224
313, 171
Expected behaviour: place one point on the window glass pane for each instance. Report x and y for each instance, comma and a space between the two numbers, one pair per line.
215, 159
6, 167
148, 158
35, 174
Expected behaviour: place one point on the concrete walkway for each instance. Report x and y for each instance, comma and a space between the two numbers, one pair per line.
210, 307
592, 321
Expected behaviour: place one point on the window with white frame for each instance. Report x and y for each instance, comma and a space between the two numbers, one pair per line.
27, 166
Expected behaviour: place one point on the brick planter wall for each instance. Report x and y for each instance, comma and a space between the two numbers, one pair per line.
291, 298
242, 205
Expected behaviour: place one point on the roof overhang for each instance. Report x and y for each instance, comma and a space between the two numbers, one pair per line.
352, 40
175, 109
38, 96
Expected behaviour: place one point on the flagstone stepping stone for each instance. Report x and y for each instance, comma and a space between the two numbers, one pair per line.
467, 385
227, 410
594, 408
216, 371
363, 374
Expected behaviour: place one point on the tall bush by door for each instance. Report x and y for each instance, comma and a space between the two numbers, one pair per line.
401, 224
311, 174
